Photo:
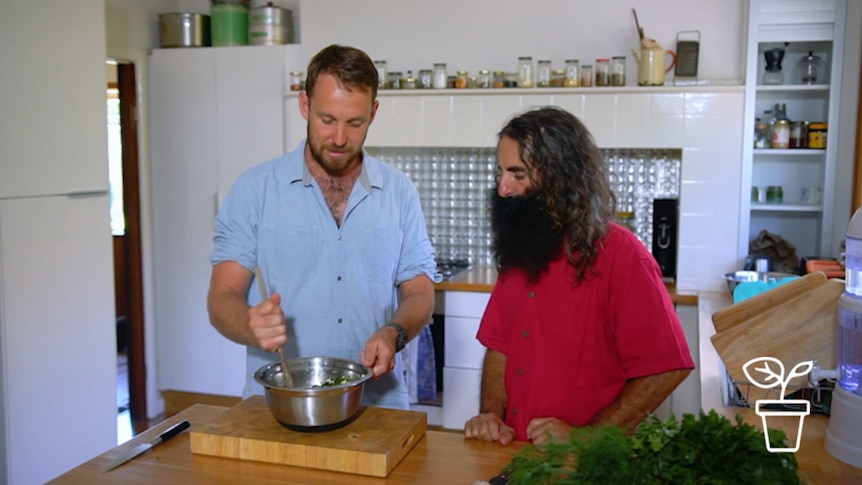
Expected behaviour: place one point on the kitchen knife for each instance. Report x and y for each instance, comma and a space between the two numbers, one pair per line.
166, 436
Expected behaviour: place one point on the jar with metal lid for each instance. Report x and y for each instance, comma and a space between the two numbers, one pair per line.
762, 136
461, 78
618, 71
817, 135
525, 72
382, 75
439, 77
483, 80
425, 78
394, 80
781, 134
573, 73
498, 79
408, 81
558, 76
798, 134
296, 81
586, 75
603, 71
543, 73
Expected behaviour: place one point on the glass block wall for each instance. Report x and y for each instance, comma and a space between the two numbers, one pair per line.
454, 184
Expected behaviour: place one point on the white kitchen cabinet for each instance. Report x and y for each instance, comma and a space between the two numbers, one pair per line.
799, 28
462, 373
214, 113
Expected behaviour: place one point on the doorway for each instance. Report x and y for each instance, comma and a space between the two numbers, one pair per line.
126, 229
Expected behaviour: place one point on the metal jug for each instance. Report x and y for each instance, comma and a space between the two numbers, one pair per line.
651, 59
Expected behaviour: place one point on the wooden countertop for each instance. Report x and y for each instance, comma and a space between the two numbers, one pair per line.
483, 278
439, 457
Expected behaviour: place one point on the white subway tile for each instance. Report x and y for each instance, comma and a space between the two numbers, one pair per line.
667, 104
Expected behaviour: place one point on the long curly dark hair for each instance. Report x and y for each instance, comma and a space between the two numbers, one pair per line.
569, 170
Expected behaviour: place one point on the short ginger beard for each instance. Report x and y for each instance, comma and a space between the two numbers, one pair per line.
332, 167
524, 235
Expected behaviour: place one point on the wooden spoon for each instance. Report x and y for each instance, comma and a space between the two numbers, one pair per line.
288, 379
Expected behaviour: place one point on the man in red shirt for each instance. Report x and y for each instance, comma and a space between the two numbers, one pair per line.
580, 329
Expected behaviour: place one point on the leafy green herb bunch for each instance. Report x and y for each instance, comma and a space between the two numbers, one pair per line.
708, 449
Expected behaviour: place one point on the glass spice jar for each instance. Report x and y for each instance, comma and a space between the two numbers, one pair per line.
603, 71
543, 73
618, 71
483, 80
525, 72
425, 78
394, 81
586, 75
296, 81
558, 76
439, 78
382, 76
781, 134
573, 73
461, 79
408, 82
798, 134
498, 79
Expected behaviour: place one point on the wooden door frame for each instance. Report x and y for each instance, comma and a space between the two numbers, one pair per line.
126, 84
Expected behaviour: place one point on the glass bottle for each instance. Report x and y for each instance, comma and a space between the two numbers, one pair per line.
586, 75
573, 73
543, 73
439, 79
394, 81
618, 71
603, 71
811, 70
557, 77
425, 78
382, 76
525, 72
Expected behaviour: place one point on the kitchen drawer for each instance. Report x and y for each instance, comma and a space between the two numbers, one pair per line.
466, 303
461, 397
463, 350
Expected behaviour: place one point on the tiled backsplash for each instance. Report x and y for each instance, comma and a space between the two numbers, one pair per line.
454, 185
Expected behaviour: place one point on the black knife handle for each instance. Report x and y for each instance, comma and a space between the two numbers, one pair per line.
174, 430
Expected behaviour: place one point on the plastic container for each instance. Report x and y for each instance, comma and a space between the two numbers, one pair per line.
817, 135
229, 22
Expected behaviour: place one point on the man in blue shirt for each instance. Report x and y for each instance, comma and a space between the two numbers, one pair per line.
339, 239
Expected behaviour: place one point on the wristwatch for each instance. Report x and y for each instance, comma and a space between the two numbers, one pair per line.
401, 341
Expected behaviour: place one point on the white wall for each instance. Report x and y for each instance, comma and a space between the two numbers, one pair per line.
491, 34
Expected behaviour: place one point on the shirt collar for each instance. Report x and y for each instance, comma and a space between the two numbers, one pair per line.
370, 175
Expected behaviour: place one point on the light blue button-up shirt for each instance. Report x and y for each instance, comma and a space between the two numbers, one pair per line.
337, 284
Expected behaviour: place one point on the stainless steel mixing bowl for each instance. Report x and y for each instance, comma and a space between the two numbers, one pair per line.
304, 407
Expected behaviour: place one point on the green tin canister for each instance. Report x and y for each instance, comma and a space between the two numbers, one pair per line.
229, 22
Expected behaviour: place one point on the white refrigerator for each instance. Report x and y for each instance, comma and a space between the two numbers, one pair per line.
57, 323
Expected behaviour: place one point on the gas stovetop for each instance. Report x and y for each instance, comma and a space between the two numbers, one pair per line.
452, 268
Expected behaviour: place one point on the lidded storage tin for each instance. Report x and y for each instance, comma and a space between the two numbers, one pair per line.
184, 29
270, 25
229, 22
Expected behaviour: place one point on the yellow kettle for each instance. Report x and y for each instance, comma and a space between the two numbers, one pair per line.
651, 60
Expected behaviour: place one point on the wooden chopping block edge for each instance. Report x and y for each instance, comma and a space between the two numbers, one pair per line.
729, 316
804, 328
372, 444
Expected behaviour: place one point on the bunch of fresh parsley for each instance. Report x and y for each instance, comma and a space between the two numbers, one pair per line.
707, 449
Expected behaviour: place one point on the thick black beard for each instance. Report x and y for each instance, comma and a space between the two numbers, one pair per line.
524, 235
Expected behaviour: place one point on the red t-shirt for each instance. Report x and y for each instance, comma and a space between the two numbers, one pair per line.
570, 349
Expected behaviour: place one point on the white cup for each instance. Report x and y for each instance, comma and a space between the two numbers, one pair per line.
810, 195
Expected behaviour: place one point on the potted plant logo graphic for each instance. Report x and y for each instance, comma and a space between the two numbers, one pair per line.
778, 407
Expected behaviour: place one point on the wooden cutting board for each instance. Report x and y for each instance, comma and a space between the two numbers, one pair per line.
372, 444
729, 316
804, 327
